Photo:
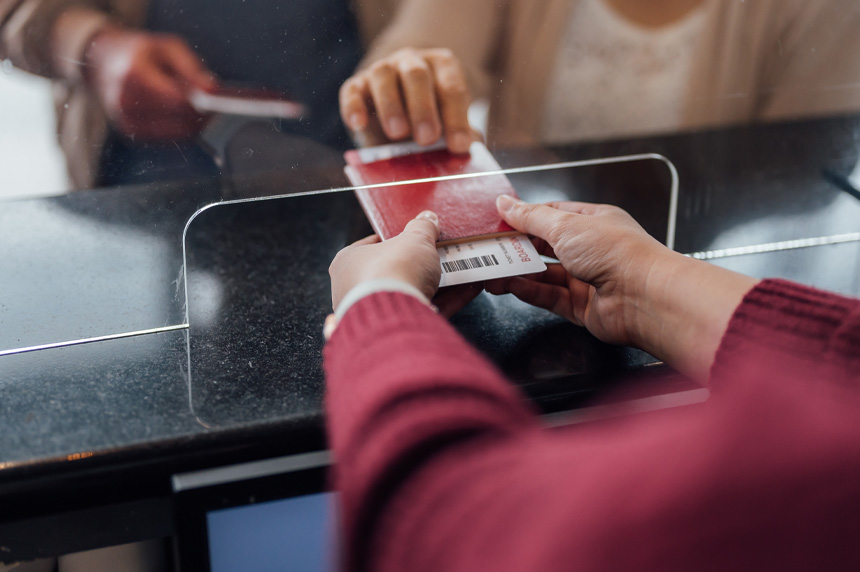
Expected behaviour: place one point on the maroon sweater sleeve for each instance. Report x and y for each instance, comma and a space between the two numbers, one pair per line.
441, 466
802, 333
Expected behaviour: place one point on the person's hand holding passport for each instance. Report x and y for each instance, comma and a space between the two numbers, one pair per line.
474, 244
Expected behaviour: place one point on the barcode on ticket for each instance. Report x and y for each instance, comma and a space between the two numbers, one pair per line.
469, 263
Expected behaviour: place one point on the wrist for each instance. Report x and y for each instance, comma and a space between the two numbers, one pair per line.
413, 273
102, 45
656, 306
368, 287
685, 310
364, 289
649, 303
71, 38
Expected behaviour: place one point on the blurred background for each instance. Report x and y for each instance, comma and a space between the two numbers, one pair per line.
30, 159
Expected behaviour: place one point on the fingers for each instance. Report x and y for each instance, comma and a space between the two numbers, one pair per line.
385, 90
544, 248
142, 80
454, 99
424, 228
451, 300
353, 102
538, 220
419, 92
153, 106
184, 64
550, 297
418, 85
148, 86
554, 275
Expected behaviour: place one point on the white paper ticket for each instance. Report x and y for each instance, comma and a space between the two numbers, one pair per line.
487, 259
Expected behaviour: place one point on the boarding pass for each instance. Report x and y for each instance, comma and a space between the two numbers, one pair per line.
487, 259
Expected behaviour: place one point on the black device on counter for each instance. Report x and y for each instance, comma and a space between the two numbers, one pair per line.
264, 516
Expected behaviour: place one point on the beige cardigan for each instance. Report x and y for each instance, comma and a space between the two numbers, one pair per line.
82, 126
759, 59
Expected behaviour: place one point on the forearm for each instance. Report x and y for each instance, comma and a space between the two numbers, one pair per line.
696, 316
422, 466
71, 38
402, 389
31, 39
685, 311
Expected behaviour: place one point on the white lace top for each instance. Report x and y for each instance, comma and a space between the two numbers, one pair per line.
615, 78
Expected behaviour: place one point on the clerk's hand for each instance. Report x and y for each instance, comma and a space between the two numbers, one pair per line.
142, 81
622, 284
417, 93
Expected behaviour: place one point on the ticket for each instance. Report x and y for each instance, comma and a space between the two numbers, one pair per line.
487, 259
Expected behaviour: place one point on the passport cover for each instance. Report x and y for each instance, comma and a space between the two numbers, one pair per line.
466, 207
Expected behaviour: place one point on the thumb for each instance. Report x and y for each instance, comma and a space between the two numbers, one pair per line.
184, 64
536, 220
423, 228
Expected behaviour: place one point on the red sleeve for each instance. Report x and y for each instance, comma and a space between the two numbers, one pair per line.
403, 386
441, 466
798, 332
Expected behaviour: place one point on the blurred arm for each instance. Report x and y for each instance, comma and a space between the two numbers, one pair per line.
402, 388
441, 466
49, 37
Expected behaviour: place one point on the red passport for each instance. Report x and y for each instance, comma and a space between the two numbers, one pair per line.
466, 206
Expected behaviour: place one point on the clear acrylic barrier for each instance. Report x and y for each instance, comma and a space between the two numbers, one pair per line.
241, 268
258, 291
108, 263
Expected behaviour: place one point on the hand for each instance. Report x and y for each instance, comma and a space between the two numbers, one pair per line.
410, 257
605, 258
142, 81
623, 285
452, 299
422, 93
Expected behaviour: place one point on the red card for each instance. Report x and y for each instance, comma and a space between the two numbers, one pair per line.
466, 206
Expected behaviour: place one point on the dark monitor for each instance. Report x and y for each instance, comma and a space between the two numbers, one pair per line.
272, 515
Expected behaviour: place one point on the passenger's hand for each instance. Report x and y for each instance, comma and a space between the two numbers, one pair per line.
622, 284
142, 80
452, 299
605, 261
410, 257
418, 93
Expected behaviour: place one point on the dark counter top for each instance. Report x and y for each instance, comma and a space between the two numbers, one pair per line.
157, 390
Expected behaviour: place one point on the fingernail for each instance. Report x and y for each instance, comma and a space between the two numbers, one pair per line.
506, 202
425, 133
429, 215
355, 122
398, 127
460, 142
